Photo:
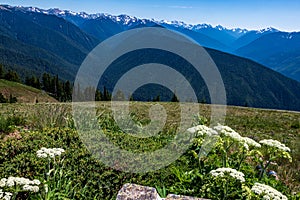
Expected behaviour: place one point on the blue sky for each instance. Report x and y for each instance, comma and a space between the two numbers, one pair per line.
254, 14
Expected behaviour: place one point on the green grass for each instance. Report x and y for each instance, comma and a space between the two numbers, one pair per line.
255, 123
24, 93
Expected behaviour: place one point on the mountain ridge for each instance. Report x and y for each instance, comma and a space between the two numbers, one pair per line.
64, 13
56, 45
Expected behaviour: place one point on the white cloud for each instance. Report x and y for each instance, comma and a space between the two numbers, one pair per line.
181, 7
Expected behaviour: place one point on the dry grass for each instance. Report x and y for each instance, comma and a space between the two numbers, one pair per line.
24, 94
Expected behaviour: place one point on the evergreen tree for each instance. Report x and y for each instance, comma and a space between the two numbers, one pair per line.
131, 98
98, 95
106, 95
12, 76
58, 90
2, 99
1, 71
203, 101
33, 82
156, 99
46, 80
12, 99
68, 91
174, 98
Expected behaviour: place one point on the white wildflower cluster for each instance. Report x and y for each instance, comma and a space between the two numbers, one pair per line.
267, 192
51, 152
5, 195
227, 131
276, 144
202, 130
251, 142
27, 185
220, 172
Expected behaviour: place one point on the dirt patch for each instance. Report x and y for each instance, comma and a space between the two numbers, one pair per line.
16, 135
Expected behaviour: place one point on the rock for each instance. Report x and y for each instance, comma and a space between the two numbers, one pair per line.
137, 192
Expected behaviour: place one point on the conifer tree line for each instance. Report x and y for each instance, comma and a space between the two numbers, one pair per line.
60, 90
55, 87
63, 90
10, 75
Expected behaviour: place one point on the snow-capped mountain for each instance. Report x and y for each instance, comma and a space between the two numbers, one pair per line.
126, 19
102, 25
199, 27
69, 15
220, 33
267, 30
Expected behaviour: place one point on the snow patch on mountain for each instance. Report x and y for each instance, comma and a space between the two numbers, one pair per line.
265, 30
129, 20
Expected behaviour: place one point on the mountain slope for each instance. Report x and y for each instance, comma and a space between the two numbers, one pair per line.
279, 51
24, 94
255, 84
28, 59
251, 36
200, 38
101, 28
106, 26
47, 32
246, 82
51, 41
219, 33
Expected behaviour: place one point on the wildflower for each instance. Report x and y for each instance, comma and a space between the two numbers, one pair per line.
229, 132
267, 192
10, 182
20, 181
250, 142
27, 184
276, 144
35, 189
51, 153
41, 155
36, 182
46, 188
246, 146
202, 130
220, 172
222, 128
5, 195
266, 197
3, 182
31, 188
26, 187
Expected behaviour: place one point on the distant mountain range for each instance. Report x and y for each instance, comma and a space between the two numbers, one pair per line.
242, 42
279, 50
34, 40
42, 43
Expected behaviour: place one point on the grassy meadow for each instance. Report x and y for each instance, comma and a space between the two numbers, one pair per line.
24, 93
76, 174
